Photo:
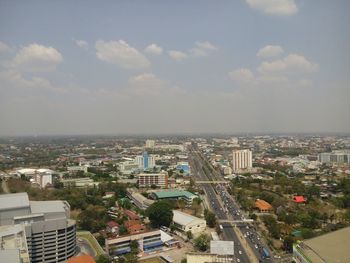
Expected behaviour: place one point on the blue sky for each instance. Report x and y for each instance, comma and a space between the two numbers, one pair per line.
84, 67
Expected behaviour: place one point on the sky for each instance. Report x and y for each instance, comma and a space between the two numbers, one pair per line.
166, 67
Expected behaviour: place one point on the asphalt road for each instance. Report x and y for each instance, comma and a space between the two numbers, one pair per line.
227, 209
217, 209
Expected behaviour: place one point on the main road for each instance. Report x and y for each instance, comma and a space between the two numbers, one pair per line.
216, 206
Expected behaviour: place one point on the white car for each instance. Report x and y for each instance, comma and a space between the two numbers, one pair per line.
256, 246
240, 252
238, 260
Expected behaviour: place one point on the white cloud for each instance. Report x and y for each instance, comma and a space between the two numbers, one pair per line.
242, 75
202, 49
37, 58
274, 7
4, 47
82, 44
154, 49
293, 63
146, 84
270, 51
177, 55
121, 54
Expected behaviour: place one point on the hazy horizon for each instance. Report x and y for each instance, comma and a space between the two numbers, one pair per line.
174, 67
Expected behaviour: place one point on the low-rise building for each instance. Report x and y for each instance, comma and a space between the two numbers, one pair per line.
263, 206
148, 241
220, 251
185, 222
174, 195
331, 248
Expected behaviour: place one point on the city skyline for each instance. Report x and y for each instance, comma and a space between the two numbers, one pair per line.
174, 68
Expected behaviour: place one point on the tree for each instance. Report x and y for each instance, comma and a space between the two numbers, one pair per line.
134, 245
103, 259
122, 230
210, 218
189, 234
184, 260
202, 242
160, 214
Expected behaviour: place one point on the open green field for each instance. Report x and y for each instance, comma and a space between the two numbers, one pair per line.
92, 241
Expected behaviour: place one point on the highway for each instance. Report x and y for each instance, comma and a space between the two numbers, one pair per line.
216, 207
226, 208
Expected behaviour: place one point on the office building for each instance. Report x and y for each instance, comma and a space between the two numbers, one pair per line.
145, 161
336, 157
148, 180
150, 144
41, 230
241, 160
332, 247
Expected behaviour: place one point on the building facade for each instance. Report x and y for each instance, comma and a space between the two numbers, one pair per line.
50, 234
241, 160
145, 161
339, 157
147, 180
185, 222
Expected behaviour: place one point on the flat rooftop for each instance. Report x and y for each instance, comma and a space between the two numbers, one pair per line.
174, 194
331, 248
222, 247
12, 201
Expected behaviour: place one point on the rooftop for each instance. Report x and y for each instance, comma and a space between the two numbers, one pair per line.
332, 247
12, 201
174, 194
183, 218
222, 247
82, 259
262, 205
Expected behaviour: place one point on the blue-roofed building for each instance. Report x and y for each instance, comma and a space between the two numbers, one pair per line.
184, 167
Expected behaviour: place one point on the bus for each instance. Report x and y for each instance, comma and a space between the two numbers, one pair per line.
266, 253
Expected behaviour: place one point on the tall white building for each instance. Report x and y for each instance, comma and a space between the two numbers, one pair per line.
241, 159
150, 144
145, 161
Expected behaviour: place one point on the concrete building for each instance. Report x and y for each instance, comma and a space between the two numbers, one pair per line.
145, 161
148, 242
220, 252
150, 144
337, 157
147, 180
184, 167
331, 248
48, 233
185, 222
241, 160
138, 199
174, 195
129, 167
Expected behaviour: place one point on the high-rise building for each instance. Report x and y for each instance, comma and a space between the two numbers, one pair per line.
41, 231
145, 161
241, 160
150, 144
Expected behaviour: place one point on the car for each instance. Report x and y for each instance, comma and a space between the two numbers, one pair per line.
240, 252
238, 260
256, 246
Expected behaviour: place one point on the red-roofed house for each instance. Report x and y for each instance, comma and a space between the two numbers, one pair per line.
131, 215
299, 199
112, 227
134, 226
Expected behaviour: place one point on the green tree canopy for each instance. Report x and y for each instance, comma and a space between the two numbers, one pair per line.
160, 213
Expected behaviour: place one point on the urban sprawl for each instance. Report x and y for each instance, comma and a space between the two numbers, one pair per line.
266, 198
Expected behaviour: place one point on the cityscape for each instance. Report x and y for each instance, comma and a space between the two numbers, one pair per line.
174, 131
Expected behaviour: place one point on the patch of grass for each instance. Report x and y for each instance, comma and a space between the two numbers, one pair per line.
92, 241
